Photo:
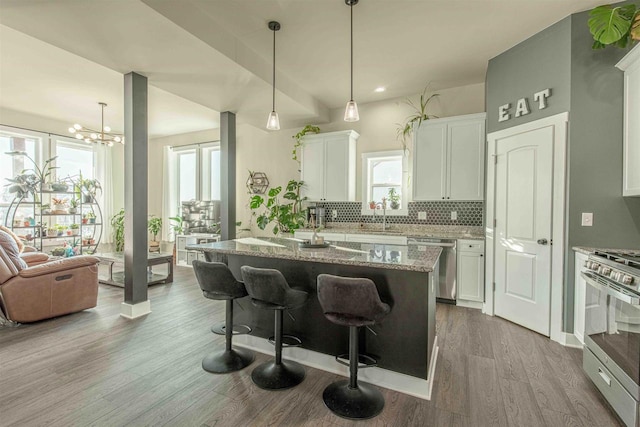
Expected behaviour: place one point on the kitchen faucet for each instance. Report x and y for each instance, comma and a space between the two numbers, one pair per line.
383, 205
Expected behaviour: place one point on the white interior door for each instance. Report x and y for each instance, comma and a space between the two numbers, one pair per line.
523, 213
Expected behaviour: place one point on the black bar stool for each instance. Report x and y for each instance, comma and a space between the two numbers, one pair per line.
217, 282
352, 302
269, 290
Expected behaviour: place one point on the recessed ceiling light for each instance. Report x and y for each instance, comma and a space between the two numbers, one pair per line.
380, 89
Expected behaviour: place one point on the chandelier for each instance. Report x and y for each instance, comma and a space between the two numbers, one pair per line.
103, 136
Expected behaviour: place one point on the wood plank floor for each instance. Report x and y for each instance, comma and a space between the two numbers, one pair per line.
97, 369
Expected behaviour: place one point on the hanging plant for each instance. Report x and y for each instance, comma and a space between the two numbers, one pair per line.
618, 26
405, 130
298, 137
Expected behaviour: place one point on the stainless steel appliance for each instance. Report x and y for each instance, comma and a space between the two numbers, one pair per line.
446, 290
612, 330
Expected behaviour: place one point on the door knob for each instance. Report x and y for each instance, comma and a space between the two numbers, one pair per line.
542, 241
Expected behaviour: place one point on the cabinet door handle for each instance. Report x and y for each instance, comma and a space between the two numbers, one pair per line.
481, 255
605, 377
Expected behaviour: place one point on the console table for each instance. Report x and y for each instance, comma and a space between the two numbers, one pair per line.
117, 278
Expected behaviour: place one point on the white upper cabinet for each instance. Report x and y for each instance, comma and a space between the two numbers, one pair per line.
630, 64
448, 159
328, 166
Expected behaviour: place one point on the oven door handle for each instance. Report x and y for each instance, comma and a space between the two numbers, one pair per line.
614, 292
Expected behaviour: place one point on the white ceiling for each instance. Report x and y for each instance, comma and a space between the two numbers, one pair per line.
205, 56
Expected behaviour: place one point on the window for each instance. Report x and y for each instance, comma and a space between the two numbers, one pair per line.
197, 172
383, 177
11, 166
74, 159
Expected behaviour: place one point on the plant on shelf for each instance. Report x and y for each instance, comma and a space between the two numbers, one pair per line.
73, 205
60, 229
59, 206
404, 131
372, 204
614, 25
394, 199
117, 223
52, 231
288, 217
60, 186
91, 188
154, 225
75, 229
22, 185
45, 209
41, 175
298, 137
90, 217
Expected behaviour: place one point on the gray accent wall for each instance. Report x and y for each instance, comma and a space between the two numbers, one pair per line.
587, 85
540, 62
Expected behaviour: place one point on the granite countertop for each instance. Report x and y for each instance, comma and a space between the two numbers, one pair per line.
409, 230
588, 250
394, 257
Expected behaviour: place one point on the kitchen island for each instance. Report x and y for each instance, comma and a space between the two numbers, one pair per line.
406, 277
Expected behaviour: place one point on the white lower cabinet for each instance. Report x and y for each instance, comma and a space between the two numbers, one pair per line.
580, 297
186, 257
470, 276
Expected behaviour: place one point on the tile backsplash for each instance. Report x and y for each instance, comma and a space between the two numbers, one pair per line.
438, 213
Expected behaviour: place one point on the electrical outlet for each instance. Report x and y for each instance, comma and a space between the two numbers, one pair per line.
334, 214
454, 215
422, 248
587, 219
422, 215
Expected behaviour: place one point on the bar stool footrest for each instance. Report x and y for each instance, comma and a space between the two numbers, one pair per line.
364, 361
220, 329
287, 341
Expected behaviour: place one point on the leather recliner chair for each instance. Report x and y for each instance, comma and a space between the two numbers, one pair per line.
46, 290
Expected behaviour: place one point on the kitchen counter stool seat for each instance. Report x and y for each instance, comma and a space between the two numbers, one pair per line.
352, 302
269, 290
218, 283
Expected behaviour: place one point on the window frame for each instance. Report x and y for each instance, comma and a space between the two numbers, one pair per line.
203, 168
367, 159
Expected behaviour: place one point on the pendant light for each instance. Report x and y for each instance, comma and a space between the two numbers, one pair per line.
351, 112
273, 122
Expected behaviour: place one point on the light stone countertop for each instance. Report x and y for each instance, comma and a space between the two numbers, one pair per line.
409, 230
588, 250
396, 257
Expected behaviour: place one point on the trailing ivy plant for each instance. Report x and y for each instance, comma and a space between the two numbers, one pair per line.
614, 25
414, 120
288, 216
298, 137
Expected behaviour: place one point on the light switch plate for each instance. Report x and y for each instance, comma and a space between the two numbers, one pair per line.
454, 215
422, 215
587, 219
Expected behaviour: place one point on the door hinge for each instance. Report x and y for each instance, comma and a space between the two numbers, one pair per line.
495, 159
494, 286
495, 222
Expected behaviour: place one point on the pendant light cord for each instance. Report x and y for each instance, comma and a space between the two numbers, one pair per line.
102, 125
273, 86
351, 9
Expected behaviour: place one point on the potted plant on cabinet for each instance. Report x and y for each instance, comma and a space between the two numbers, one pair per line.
415, 119
154, 225
614, 25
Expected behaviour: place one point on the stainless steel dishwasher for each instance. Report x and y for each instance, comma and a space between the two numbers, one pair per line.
446, 290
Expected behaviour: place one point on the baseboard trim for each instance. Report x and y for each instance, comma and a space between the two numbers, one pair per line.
133, 311
570, 340
402, 383
470, 304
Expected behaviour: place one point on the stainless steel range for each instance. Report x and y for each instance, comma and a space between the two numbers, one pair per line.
612, 330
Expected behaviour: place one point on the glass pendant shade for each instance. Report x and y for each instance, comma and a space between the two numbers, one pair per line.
351, 112
273, 122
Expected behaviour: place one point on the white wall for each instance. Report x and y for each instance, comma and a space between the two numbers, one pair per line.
270, 152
